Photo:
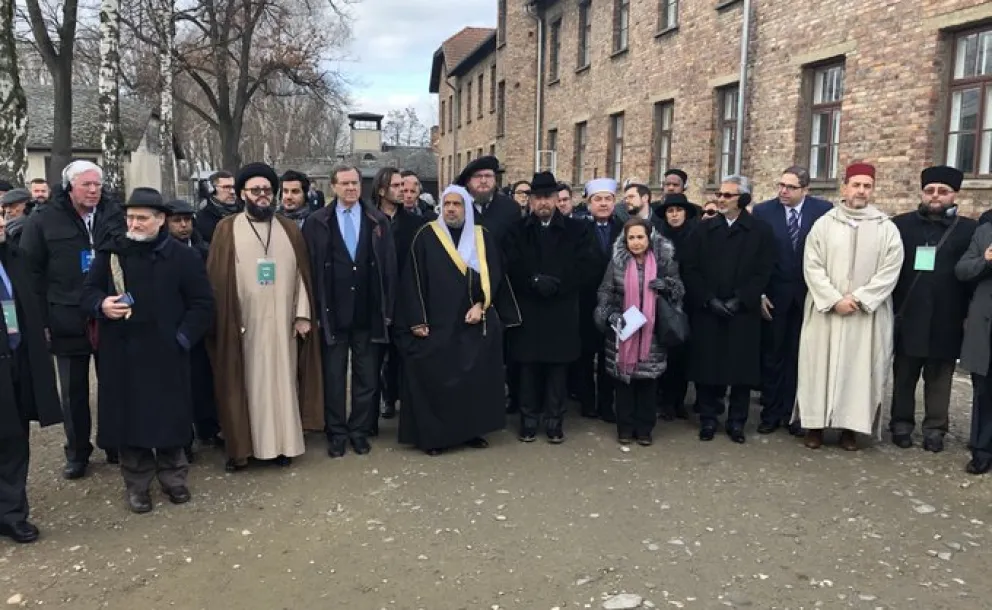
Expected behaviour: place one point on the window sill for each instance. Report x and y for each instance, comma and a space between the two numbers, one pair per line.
582, 69
665, 32
822, 186
976, 184
556, 81
722, 4
619, 53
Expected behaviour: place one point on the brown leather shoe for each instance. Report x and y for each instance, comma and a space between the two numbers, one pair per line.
848, 441
814, 439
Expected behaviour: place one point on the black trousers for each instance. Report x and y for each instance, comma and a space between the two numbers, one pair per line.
512, 376
15, 452
205, 421
938, 377
74, 381
543, 388
981, 417
594, 387
365, 364
674, 383
711, 405
780, 364
389, 378
140, 467
636, 407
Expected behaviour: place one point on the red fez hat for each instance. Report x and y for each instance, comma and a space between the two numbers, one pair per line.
859, 169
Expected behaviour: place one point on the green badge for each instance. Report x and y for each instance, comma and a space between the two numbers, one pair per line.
266, 272
10, 317
926, 258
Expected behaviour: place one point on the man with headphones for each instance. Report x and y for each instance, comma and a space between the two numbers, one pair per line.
725, 268
59, 241
219, 202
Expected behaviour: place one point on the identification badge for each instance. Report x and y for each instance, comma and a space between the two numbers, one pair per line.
10, 317
85, 260
926, 258
266, 272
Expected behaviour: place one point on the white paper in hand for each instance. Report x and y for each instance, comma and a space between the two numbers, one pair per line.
633, 320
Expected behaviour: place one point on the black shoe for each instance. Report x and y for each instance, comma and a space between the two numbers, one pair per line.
933, 444
706, 433
233, 465
767, 428
178, 495
903, 441
283, 461
625, 439
389, 411
979, 465
337, 447
212, 441
796, 429
527, 435
74, 470
736, 435
666, 414
556, 437
190, 456
434, 452
139, 502
681, 413
645, 440
21, 532
608, 416
361, 445
478, 443
113, 457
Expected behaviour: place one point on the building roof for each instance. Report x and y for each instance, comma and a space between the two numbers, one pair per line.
86, 129
457, 50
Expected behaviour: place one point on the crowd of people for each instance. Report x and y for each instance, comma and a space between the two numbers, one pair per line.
244, 324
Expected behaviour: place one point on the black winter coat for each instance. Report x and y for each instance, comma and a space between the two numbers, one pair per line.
404, 226
930, 320
565, 251
207, 218
592, 337
38, 399
726, 262
500, 216
55, 240
145, 395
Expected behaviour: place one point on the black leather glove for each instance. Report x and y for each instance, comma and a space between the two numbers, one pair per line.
546, 285
733, 306
657, 284
717, 307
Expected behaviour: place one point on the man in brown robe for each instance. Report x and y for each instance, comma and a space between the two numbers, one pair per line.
266, 360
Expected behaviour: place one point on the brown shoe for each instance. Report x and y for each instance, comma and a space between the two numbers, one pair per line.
814, 439
848, 441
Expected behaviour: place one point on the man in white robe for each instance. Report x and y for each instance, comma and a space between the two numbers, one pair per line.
851, 263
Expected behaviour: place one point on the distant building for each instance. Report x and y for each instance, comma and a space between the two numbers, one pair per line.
139, 127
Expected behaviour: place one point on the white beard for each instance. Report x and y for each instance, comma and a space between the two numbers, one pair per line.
139, 238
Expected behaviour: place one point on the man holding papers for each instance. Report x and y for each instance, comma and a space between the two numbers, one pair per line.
642, 269
726, 266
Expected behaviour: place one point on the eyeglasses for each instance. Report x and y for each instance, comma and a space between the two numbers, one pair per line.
789, 187
937, 190
258, 191
91, 185
709, 213
484, 175
522, 193
726, 195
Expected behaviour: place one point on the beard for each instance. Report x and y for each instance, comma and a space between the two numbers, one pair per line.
482, 199
454, 224
259, 212
138, 237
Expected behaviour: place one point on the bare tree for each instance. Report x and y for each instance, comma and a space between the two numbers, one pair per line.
167, 32
111, 140
13, 104
58, 58
404, 128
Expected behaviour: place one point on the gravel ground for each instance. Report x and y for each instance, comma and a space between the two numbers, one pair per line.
681, 524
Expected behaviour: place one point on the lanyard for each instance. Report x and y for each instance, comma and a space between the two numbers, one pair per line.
268, 238
88, 224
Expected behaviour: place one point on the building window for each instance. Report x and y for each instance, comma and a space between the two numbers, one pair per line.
492, 150
441, 173
468, 156
451, 166
468, 102
554, 51
664, 113
501, 109
458, 158
500, 22
458, 104
621, 25
828, 92
969, 131
478, 152
443, 111
549, 160
482, 81
668, 14
579, 154
492, 88
614, 153
727, 130
585, 34
451, 113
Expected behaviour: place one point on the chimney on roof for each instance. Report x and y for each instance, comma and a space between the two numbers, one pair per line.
366, 132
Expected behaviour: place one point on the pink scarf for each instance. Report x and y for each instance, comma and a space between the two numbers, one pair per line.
638, 347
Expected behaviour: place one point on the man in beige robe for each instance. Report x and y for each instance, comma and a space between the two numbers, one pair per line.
851, 263
260, 272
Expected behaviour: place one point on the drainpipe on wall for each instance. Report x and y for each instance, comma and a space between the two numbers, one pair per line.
742, 86
535, 14
455, 127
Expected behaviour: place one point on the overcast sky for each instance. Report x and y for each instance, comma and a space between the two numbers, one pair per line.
394, 42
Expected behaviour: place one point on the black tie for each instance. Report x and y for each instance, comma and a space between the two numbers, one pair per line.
604, 237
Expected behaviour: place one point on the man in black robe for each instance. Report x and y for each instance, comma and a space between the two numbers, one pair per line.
450, 332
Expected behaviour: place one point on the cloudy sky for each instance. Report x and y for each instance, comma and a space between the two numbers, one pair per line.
394, 42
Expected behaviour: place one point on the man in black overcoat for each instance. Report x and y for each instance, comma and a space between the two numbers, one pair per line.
153, 303
725, 268
27, 388
930, 305
549, 260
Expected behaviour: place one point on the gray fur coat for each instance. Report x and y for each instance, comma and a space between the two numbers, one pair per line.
611, 298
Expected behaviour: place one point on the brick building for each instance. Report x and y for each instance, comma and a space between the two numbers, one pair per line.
628, 88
